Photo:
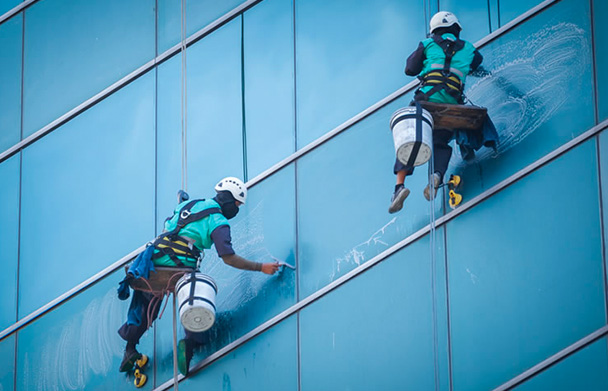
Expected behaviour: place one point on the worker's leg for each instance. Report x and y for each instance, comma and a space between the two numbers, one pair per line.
135, 326
401, 192
442, 152
185, 349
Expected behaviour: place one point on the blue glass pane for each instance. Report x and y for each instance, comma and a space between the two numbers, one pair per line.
215, 122
269, 97
603, 140
586, 370
264, 228
268, 362
344, 191
87, 194
511, 9
600, 14
200, 13
75, 49
376, 331
76, 346
473, 15
9, 240
10, 80
525, 272
348, 58
7, 369
7, 5
538, 93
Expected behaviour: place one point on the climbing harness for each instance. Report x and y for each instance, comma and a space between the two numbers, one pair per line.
173, 245
444, 77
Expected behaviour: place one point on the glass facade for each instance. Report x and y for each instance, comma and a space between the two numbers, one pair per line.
11, 33
377, 301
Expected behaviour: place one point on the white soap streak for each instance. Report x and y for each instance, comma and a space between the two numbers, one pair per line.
237, 287
357, 254
530, 81
473, 276
87, 345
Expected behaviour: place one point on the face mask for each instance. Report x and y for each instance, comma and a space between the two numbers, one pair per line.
229, 210
227, 203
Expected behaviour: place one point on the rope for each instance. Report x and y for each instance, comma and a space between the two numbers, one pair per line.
158, 297
155, 302
175, 382
184, 93
432, 238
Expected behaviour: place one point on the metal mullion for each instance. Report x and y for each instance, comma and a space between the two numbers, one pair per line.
556, 358
71, 293
127, 79
218, 23
396, 248
443, 220
22, 6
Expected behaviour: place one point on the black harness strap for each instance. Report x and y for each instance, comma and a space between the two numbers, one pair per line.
444, 79
192, 285
166, 242
418, 142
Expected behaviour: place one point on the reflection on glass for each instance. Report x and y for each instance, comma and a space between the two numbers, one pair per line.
600, 13
69, 59
199, 14
87, 194
269, 99
9, 239
519, 289
386, 313
214, 119
585, 370
10, 80
263, 229
344, 191
511, 9
603, 140
7, 5
76, 347
473, 15
348, 58
7, 369
268, 362
537, 91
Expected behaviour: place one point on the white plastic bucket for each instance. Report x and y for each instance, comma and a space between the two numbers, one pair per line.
403, 125
196, 314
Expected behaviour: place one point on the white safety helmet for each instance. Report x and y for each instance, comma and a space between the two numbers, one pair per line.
235, 186
443, 19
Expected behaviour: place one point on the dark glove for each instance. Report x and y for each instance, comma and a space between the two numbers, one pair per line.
123, 288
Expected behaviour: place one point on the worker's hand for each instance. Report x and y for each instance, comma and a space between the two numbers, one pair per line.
270, 267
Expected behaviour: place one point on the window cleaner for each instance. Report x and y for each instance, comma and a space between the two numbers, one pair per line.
194, 226
442, 63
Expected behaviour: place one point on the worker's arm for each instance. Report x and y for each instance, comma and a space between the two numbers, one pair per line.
477, 59
223, 244
415, 62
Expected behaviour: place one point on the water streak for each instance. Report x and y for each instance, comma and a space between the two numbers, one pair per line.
529, 82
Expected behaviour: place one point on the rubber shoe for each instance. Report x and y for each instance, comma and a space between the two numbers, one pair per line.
427, 190
398, 198
128, 360
184, 356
